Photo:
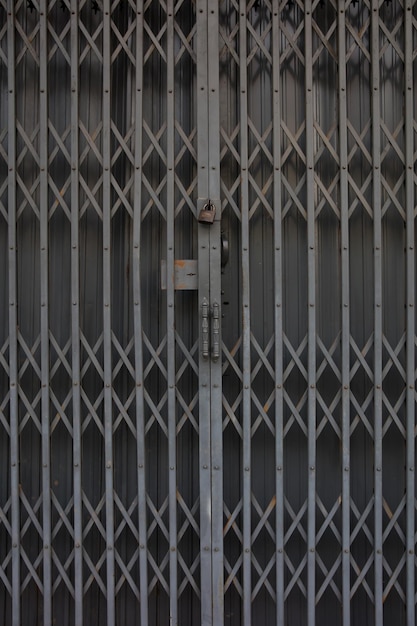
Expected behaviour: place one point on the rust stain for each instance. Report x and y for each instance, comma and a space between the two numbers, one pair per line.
180, 263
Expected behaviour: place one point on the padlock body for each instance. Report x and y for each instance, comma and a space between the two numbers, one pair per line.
206, 215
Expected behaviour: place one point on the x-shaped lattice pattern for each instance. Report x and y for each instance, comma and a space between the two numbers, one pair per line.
324, 62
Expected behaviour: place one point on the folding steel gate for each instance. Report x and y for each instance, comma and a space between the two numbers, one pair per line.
207, 423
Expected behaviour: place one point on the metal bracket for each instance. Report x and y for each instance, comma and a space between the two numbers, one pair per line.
185, 274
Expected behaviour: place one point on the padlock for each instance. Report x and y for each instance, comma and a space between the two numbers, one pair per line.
207, 213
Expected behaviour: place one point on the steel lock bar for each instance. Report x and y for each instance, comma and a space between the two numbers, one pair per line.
215, 331
205, 328
210, 320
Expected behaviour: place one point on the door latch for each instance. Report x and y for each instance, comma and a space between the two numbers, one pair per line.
210, 325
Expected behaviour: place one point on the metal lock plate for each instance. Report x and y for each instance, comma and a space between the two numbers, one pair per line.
207, 213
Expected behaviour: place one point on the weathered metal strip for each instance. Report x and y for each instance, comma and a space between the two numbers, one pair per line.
215, 300
377, 224
278, 321
411, 301
185, 274
107, 331
44, 289
172, 421
138, 331
344, 226
204, 366
246, 340
311, 261
13, 368
75, 320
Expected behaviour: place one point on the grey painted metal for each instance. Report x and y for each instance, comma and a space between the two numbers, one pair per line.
138, 328
246, 321
75, 320
410, 303
377, 374
278, 321
12, 279
345, 300
204, 365
311, 343
107, 317
171, 392
44, 293
216, 400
